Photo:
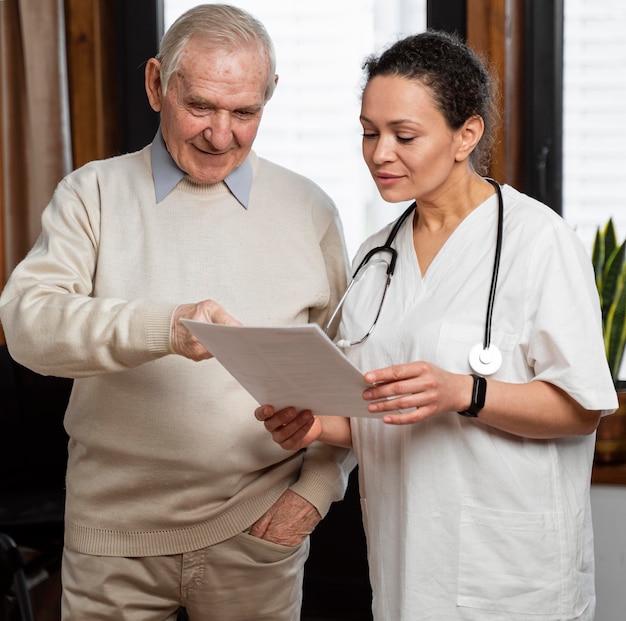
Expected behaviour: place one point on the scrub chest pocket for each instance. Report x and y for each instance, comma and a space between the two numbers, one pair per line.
511, 562
457, 340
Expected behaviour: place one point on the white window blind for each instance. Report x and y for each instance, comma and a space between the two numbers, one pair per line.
594, 117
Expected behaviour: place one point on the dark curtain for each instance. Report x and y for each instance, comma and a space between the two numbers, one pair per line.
34, 119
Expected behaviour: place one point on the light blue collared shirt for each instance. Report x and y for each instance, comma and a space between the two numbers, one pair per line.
166, 174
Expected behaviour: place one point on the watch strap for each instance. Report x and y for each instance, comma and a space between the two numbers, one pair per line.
479, 392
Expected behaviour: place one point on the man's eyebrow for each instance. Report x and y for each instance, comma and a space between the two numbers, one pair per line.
193, 98
251, 108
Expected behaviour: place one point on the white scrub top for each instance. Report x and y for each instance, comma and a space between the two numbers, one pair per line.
464, 521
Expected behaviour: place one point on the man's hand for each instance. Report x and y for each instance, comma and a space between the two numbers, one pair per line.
186, 344
292, 430
288, 522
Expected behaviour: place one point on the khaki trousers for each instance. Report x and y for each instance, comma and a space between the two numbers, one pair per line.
241, 579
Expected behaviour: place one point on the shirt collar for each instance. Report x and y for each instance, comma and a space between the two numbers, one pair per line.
166, 175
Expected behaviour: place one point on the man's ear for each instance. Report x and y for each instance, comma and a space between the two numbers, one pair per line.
470, 134
275, 85
153, 84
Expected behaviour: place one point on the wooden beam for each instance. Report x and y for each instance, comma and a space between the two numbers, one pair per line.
495, 29
91, 55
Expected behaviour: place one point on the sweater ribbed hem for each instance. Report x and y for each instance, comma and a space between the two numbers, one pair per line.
315, 487
162, 542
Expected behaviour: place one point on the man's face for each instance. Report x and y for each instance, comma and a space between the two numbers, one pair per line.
211, 111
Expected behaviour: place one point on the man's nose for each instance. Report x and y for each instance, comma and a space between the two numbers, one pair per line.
219, 130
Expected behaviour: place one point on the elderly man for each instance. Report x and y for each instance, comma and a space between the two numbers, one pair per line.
174, 495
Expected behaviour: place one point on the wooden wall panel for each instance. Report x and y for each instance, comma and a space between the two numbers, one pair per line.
3, 269
92, 55
495, 28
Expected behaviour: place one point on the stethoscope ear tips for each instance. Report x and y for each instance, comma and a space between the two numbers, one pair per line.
485, 360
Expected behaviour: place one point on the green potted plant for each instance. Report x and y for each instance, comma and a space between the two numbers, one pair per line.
609, 263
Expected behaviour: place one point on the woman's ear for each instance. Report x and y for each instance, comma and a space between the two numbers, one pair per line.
470, 134
153, 84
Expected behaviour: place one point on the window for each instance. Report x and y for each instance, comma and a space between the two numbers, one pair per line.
311, 125
594, 116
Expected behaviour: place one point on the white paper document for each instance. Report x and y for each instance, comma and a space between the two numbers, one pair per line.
295, 366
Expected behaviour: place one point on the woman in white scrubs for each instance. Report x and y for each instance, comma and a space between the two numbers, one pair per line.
474, 481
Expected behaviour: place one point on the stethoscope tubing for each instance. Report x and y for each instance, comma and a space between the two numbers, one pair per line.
496, 265
492, 355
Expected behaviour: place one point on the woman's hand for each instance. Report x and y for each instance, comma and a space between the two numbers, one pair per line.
419, 389
296, 430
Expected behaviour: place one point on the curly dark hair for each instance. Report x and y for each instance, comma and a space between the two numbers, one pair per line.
459, 80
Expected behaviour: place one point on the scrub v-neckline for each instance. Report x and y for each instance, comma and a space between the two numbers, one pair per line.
439, 260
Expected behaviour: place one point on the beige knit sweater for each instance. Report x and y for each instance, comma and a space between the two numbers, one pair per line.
165, 455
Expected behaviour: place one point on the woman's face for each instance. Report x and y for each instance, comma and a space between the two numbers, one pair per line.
410, 150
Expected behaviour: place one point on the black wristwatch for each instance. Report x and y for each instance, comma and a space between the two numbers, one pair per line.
479, 392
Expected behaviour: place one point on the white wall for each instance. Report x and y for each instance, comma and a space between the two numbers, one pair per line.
608, 503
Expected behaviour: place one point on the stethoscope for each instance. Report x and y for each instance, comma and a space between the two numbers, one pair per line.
484, 358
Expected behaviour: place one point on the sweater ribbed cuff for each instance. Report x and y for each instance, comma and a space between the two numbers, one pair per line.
158, 327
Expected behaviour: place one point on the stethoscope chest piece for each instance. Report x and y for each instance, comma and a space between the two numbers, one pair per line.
485, 360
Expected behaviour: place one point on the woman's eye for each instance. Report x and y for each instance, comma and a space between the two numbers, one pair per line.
404, 139
369, 135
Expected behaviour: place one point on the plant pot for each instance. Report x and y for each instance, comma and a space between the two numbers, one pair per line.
611, 436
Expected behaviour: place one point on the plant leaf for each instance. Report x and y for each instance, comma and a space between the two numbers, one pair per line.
597, 258
615, 329
612, 277
609, 237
